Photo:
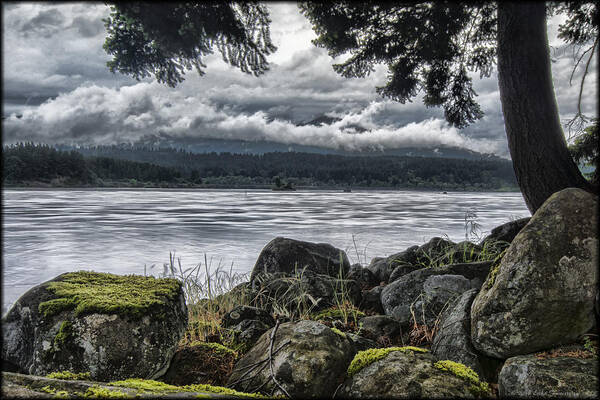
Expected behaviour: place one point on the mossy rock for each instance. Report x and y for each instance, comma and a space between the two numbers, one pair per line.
402, 372
110, 326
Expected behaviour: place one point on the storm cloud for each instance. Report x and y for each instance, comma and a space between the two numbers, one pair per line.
57, 89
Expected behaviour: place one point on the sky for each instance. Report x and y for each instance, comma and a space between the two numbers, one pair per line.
57, 89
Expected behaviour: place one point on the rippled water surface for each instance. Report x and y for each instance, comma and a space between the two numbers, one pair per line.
48, 232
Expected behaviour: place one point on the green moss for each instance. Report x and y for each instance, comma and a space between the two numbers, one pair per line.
368, 357
336, 313
223, 390
61, 394
98, 392
338, 332
68, 375
48, 389
93, 292
64, 333
147, 385
462, 371
214, 347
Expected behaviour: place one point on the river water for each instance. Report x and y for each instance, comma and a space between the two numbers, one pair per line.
48, 232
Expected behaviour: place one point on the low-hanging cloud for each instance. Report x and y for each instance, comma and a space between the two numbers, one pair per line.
98, 115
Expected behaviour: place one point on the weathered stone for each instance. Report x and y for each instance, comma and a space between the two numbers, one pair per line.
248, 331
453, 338
310, 358
241, 313
382, 329
112, 326
560, 377
404, 375
293, 256
371, 300
427, 291
542, 292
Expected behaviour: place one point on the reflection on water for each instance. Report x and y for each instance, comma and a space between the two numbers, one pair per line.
48, 232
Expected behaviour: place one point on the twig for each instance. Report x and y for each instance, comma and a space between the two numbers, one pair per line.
271, 359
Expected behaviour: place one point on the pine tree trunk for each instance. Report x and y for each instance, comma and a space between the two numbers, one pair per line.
537, 145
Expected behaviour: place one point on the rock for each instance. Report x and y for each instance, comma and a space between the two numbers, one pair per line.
383, 267
306, 291
505, 232
248, 331
542, 292
371, 300
428, 290
112, 326
453, 338
200, 363
360, 342
314, 358
291, 256
402, 270
380, 268
436, 252
241, 313
363, 277
403, 374
382, 329
560, 377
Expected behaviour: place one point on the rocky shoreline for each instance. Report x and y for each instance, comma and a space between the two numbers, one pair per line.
514, 315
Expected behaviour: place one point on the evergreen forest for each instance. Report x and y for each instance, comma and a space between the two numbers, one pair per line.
30, 164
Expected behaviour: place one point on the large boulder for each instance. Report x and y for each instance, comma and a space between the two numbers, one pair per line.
403, 373
427, 291
307, 358
560, 377
292, 256
112, 326
452, 340
542, 292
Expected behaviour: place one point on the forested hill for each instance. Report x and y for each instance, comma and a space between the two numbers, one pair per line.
114, 165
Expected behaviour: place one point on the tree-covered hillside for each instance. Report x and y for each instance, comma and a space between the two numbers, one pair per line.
29, 162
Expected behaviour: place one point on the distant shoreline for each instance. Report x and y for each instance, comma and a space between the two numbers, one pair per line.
241, 187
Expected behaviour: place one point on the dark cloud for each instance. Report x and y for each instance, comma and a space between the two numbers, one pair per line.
46, 24
87, 27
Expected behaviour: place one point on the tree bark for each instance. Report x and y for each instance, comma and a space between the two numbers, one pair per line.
541, 159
